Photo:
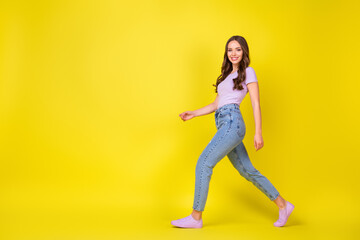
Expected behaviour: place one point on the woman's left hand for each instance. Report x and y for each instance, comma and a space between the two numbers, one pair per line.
258, 141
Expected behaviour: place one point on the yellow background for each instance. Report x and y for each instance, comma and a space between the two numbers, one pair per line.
91, 144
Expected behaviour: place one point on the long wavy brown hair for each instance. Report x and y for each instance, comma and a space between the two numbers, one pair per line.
226, 67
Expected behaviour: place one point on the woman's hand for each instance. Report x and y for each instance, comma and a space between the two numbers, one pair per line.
258, 141
187, 115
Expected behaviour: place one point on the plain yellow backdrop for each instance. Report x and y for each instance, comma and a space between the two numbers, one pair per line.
91, 144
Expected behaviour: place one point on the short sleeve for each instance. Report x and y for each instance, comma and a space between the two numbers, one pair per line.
250, 75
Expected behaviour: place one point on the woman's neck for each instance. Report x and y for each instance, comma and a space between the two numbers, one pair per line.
235, 67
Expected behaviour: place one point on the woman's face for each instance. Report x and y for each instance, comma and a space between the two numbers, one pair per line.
234, 52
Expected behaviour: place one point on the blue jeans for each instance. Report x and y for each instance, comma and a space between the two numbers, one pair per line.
227, 141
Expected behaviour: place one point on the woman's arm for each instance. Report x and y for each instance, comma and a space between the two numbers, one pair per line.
255, 102
201, 111
207, 109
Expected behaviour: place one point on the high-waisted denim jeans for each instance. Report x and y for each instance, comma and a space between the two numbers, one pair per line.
227, 141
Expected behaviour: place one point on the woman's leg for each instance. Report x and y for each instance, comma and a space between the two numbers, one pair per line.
225, 139
280, 202
240, 160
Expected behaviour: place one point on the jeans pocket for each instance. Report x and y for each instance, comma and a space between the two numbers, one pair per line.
240, 127
223, 119
225, 115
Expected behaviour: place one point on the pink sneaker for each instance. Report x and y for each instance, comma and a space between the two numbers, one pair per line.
284, 214
187, 222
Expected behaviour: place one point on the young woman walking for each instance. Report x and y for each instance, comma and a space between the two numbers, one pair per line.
236, 79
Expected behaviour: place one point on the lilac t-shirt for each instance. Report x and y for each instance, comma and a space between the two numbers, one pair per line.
225, 88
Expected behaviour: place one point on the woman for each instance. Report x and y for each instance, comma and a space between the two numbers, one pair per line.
236, 79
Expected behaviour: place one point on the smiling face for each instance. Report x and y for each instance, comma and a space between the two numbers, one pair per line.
234, 52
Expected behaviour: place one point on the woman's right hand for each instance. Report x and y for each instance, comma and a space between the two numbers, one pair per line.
187, 115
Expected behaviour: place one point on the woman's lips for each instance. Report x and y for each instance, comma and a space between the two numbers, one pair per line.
234, 59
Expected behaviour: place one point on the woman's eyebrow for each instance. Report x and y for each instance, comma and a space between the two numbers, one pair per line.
237, 47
